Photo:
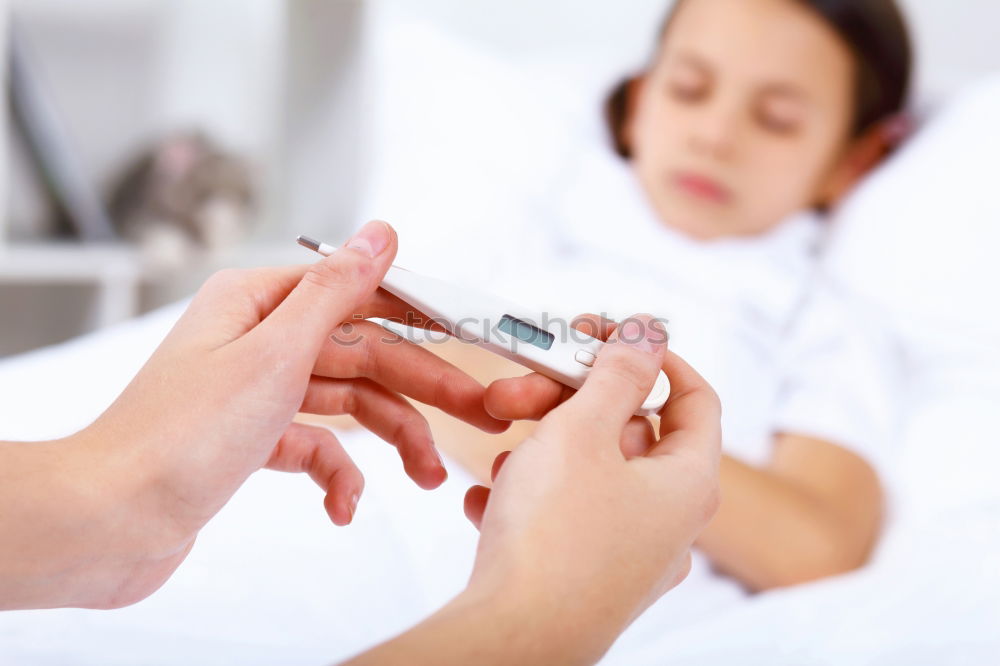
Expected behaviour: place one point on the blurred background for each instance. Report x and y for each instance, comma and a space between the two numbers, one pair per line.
148, 143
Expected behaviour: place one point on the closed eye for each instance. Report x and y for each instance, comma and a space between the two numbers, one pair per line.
779, 115
777, 124
687, 91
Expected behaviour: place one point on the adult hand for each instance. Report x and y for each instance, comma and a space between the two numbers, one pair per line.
594, 515
215, 403
589, 521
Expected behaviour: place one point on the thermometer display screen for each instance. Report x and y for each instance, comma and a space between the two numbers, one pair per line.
525, 332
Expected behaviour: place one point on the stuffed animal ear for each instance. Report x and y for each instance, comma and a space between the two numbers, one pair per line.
179, 154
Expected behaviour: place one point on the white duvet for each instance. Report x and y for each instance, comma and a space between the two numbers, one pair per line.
271, 581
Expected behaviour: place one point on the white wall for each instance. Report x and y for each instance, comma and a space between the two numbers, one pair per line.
957, 39
219, 69
222, 65
4, 154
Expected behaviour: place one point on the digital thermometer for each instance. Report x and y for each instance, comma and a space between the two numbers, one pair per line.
501, 327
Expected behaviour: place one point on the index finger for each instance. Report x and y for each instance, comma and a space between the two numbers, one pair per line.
527, 398
367, 350
691, 419
531, 397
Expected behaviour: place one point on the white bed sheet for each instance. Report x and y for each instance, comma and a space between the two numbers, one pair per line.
271, 581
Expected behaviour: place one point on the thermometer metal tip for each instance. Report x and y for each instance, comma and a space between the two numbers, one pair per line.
316, 246
310, 243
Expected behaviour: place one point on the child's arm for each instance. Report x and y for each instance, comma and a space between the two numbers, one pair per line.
814, 511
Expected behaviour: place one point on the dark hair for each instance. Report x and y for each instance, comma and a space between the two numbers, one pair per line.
876, 34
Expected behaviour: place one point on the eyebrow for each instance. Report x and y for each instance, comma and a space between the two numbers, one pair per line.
785, 90
688, 58
779, 89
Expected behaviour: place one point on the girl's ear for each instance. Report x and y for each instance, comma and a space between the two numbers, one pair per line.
633, 94
862, 156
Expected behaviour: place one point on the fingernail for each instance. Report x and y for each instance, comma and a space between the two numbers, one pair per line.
372, 239
353, 506
644, 335
440, 463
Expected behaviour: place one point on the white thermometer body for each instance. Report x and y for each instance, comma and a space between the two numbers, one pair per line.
502, 327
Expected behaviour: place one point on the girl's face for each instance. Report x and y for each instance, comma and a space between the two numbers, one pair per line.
744, 118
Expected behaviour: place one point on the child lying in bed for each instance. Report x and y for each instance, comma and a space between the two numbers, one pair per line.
750, 113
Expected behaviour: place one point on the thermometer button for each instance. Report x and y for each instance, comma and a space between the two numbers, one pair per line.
585, 358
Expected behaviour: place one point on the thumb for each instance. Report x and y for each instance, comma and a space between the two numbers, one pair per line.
333, 289
620, 381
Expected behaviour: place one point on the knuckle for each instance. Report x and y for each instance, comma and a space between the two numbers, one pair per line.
452, 389
341, 272
409, 434
711, 503
631, 368
398, 436
347, 473
574, 421
351, 398
715, 401
705, 491
356, 354
369, 359
588, 324
685, 570
416, 426
226, 279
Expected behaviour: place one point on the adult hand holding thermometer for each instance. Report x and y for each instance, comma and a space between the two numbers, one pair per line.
502, 327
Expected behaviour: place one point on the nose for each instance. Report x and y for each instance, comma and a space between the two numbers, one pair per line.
714, 130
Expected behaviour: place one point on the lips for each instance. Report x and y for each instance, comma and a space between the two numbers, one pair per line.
702, 187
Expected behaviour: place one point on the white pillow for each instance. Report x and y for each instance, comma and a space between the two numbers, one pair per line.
919, 242
920, 236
